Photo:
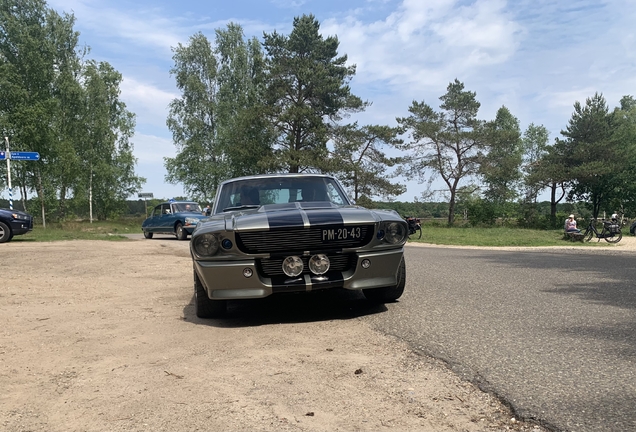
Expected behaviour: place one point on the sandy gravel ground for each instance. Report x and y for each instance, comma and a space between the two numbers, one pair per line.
102, 336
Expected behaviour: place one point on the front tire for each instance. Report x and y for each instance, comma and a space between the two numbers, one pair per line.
388, 294
5, 233
206, 308
180, 232
147, 235
588, 235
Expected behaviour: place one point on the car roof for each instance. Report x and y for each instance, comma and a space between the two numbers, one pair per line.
178, 202
278, 175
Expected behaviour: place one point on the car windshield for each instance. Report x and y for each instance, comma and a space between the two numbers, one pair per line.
188, 207
254, 192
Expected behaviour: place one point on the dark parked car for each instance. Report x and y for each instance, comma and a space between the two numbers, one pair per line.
294, 232
632, 228
14, 222
173, 217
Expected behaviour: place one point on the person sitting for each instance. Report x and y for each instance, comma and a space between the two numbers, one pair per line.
249, 196
570, 225
312, 192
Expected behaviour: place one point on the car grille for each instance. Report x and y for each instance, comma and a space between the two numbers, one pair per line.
309, 239
271, 267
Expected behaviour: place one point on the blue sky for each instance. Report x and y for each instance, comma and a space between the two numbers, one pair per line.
537, 57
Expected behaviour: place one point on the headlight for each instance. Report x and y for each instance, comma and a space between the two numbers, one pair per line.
319, 264
292, 266
394, 232
206, 244
191, 221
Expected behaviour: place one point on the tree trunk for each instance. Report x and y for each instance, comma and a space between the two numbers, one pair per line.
553, 201
41, 196
90, 196
451, 209
23, 195
62, 208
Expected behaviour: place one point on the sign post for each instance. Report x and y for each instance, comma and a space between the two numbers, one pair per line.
15, 156
8, 157
145, 195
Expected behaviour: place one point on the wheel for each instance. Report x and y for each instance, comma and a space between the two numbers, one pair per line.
388, 294
147, 234
587, 235
5, 233
615, 238
180, 232
419, 232
206, 308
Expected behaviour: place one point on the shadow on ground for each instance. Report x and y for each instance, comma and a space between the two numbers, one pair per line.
338, 304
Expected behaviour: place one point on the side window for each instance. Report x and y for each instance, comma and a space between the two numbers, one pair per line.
156, 211
165, 209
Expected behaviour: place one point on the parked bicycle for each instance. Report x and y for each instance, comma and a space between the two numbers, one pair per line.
415, 227
611, 231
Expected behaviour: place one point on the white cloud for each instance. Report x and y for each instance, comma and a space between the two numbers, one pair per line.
149, 103
152, 148
425, 45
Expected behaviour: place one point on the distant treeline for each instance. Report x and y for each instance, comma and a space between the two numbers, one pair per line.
424, 210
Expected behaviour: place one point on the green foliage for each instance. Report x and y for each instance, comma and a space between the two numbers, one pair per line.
500, 166
67, 110
306, 87
447, 143
360, 162
217, 124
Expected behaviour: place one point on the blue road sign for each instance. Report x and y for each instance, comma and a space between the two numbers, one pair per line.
20, 155
3, 155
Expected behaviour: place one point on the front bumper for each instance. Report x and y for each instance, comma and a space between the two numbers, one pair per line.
19, 227
226, 280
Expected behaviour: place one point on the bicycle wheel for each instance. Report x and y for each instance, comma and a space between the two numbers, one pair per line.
587, 235
615, 238
412, 233
418, 232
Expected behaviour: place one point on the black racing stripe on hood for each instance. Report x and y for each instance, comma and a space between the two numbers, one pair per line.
324, 217
285, 219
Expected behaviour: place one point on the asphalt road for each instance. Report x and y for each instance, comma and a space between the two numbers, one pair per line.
553, 333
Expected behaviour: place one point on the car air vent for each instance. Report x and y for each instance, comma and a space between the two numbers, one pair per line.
300, 239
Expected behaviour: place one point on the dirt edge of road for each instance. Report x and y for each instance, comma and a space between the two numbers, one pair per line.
102, 336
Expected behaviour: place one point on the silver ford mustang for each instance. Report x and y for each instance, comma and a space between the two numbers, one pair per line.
293, 232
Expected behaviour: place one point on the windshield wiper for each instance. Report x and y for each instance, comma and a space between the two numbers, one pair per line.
241, 207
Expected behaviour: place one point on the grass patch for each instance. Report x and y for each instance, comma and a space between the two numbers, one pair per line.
499, 236
459, 236
83, 230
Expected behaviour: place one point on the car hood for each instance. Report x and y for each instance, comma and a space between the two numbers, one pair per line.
8, 212
303, 215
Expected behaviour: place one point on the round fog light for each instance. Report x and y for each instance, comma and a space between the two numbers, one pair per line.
319, 264
365, 263
292, 266
247, 272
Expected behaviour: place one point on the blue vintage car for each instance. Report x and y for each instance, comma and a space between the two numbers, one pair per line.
178, 218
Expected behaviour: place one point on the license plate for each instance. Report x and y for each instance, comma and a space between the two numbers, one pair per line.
343, 233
